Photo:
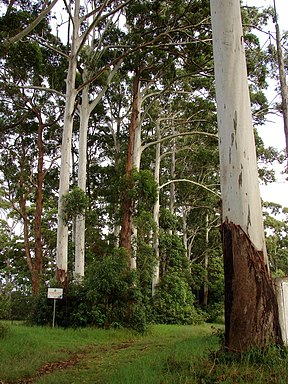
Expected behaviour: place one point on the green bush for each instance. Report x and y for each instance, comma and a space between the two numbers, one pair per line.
42, 310
109, 296
174, 302
5, 306
215, 313
15, 306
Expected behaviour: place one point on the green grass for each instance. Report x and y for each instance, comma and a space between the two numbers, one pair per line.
165, 355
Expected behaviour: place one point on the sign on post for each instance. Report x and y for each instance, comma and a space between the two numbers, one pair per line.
55, 294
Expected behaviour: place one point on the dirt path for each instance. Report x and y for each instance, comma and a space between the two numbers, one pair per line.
75, 358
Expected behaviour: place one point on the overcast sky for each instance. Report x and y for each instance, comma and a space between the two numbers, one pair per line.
273, 132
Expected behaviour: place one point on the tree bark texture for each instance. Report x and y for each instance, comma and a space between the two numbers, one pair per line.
62, 229
251, 312
156, 211
128, 203
34, 263
39, 206
82, 166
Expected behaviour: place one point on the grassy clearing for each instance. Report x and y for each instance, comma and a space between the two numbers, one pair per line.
25, 350
165, 355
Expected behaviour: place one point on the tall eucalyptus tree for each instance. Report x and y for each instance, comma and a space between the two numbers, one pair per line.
82, 31
251, 313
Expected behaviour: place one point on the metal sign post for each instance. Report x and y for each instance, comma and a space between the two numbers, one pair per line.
55, 294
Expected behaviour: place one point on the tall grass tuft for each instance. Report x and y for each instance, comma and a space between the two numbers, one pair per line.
4, 330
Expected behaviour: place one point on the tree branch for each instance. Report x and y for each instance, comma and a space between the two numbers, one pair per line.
34, 24
44, 89
105, 87
85, 35
145, 146
191, 182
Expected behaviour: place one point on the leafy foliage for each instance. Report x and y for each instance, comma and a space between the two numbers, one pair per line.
174, 302
109, 298
75, 203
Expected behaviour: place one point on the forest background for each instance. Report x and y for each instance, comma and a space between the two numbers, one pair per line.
144, 161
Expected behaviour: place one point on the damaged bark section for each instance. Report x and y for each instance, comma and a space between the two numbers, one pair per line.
62, 278
251, 311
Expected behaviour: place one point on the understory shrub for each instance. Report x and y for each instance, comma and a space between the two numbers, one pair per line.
109, 296
15, 306
174, 302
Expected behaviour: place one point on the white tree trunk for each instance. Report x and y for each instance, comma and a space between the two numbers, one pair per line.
156, 210
173, 175
238, 165
80, 219
62, 229
206, 263
184, 228
251, 312
86, 109
137, 153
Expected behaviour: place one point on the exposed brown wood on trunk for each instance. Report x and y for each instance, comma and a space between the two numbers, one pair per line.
128, 202
35, 264
25, 218
62, 278
251, 311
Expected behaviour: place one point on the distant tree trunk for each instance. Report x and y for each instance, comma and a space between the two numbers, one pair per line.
86, 108
80, 219
62, 229
251, 311
282, 78
128, 203
173, 176
38, 264
34, 263
184, 229
206, 263
156, 269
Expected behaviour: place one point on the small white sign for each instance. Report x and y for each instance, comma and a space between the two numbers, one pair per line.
55, 293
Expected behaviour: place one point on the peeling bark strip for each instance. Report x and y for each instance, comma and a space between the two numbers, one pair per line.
62, 277
251, 311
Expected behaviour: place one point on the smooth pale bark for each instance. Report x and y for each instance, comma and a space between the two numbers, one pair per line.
128, 203
80, 219
206, 263
85, 109
38, 263
173, 175
32, 25
184, 229
136, 160
62, 229
156, 210
251, 313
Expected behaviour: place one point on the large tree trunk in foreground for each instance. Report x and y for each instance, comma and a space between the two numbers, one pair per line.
251, 311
